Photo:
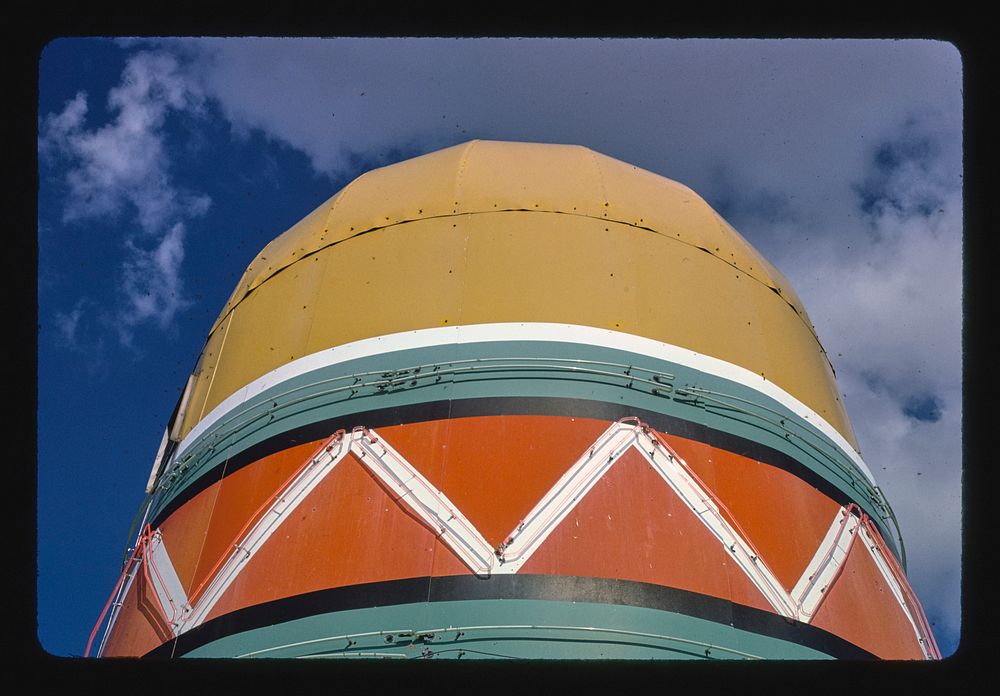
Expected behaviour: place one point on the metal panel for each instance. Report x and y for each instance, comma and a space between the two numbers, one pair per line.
437, 250
521, 266
674, 315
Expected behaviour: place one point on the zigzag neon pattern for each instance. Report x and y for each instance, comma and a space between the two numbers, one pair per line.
183, 613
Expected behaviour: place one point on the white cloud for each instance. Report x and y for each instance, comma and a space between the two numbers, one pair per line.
151, 283
68, 324
81, 330
123, 167
62, 126
885, 295
124, 162
777, 112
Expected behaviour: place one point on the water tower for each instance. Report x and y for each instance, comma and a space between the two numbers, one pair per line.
513, 400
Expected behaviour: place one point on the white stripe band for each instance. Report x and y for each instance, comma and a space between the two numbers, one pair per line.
563, 333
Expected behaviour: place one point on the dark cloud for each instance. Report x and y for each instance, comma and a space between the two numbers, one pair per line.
923, 407
747, 207
903, 178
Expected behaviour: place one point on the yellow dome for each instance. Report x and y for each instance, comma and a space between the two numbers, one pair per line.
483, 176
492, 232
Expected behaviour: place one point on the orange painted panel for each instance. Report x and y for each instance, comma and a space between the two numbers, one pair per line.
347, 531
140, 626
495, 469
632, 526
784, 517
239, 496
862, 609
184, 534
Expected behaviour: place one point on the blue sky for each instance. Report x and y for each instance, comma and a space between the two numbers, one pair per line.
164, 166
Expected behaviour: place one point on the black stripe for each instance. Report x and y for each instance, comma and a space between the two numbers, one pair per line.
501, 406
516, 586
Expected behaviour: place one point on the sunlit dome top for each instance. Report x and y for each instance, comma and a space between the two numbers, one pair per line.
493, 176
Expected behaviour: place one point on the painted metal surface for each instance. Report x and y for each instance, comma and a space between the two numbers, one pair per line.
476, 234
388, 516
513, 400
511, 360
507, 628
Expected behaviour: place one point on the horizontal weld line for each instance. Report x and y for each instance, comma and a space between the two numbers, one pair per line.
633, 225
